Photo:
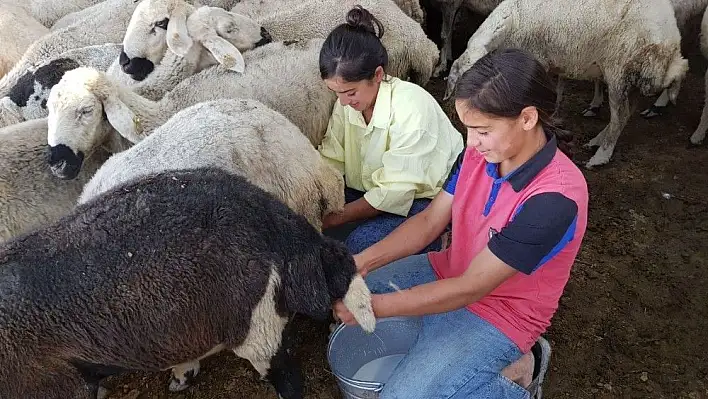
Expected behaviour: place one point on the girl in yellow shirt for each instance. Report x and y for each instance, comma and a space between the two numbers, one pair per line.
389, 138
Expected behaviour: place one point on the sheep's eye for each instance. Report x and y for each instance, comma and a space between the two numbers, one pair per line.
162, 24
85, 111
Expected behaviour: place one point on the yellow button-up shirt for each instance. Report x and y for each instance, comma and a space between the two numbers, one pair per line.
405, 152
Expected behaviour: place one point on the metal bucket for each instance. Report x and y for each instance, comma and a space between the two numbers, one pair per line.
350, 348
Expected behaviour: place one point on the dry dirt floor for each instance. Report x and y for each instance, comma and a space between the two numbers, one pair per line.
633, 322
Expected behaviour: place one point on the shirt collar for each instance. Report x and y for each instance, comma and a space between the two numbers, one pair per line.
522, 176
381, 116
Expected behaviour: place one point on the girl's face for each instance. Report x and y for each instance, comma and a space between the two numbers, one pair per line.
498, 139
359, 95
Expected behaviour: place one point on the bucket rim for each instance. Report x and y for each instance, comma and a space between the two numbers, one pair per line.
377, 386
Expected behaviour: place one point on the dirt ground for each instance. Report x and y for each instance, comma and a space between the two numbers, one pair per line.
633, 320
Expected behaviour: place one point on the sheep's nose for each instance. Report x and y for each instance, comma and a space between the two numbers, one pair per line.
123, 60
266, 35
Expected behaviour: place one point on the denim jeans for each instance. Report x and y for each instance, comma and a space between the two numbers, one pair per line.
362, 234
456, 355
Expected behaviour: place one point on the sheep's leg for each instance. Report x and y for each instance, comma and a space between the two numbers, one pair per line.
182, 374
449, 12
658, 107
620, 111
596, 103
700, 133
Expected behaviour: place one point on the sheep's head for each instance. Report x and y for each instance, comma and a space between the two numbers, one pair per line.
226, 34
154, 26
161, 25
75, 114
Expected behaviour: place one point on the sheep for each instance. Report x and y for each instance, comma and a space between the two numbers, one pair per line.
449, 10
159, 25
283, 76
413, 9
412, 55
172, 266
685, 10
28, 98
47, 12
30, 195
226, 34
634, 45
241, 136
18, 30
700, 133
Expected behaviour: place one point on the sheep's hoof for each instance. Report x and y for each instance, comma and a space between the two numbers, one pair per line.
176, 386
695, 141
439, 70
597, 160
652, 112
591, 111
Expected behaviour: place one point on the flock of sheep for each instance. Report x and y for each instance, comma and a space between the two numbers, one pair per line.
127, 127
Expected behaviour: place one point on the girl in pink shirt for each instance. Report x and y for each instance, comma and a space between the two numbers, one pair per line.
518, 208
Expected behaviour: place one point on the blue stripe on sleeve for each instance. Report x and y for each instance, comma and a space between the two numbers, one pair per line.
541, 228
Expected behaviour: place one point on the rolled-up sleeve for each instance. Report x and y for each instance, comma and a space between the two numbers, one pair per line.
332, 147
408, 166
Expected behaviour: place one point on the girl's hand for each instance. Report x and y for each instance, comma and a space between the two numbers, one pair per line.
343, 314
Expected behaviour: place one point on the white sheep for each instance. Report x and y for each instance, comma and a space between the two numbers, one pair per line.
30, 196
700, 133
18, 30
172, 266
283, 76
685, 10
634, 45
449, 10
412, 55
240, 136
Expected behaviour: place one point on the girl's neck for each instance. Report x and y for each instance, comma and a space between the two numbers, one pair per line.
535, 142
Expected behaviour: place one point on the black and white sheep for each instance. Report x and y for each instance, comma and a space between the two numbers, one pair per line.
159, 25
28, 98
173, 266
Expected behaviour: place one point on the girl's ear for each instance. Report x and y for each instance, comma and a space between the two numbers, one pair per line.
529, 118
379, 74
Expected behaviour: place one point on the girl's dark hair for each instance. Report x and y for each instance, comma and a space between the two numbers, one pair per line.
353, 50
504, 82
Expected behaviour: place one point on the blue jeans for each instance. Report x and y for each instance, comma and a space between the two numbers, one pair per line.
358, 236
456, 355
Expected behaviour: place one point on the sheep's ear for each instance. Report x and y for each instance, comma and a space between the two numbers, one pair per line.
122, 118
178, 39
225, 53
